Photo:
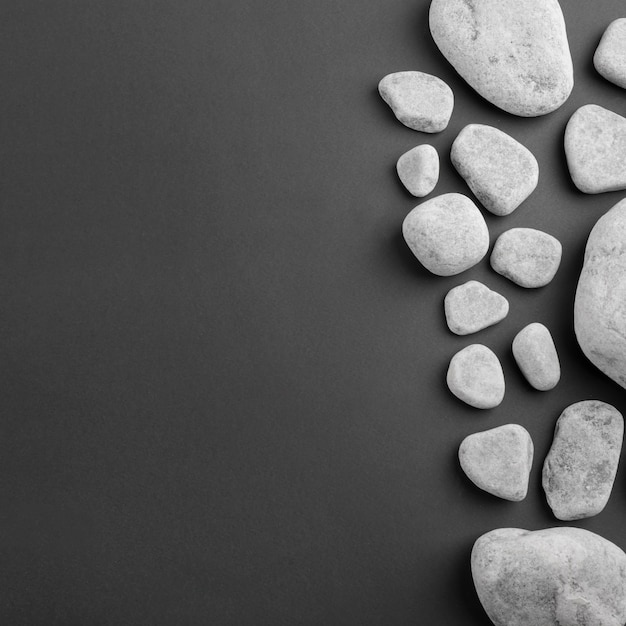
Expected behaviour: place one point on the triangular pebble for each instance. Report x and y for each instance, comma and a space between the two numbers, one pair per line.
610, 57
418, 169
473, 306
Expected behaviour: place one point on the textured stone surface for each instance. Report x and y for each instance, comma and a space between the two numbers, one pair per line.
499, 460
420, 101
475, 376
610, 56
536, 356
513, 53
473, 306
600, 304
553, 577
448, 234
580, 468
526, 256
595, 147
499, 170
418, 169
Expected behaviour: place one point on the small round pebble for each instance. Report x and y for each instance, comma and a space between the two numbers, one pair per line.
528, 257
418, 169
536, 356
473, 306
420, 101
610, 57
447, 234
476, 377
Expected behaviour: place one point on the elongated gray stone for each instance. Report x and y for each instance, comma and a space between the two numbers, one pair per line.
513, 53
499, 170
526, 256
447, 234
553, 577
499, 460
610, 57
420, 101
418, 169
476, 377
536, 356
580, 468
473, 306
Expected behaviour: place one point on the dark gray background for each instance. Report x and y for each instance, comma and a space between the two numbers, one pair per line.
223, 396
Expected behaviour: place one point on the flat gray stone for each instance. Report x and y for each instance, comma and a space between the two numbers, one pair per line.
528, 257
418, 169
553, 577
580, 468
473, 306
447, 234
610, 57
499, 170
514, 54
595, 147
420, 101
499, 460
476, 377
536, 356
599, 306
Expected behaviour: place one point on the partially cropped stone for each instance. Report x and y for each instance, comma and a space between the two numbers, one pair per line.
595, 147
499, 170
553, 577
476, 377
447, 234
420, 101
526, 256
499, 460
536, 356
418, 169
610, 56
473, 306
580, 468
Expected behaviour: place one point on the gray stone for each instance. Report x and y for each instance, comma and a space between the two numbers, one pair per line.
447, 234
526, 256
418, 169
535, 354
552, 577
473, 306
580, 468
514, 54
610, 56
595, 147
499, 170
600, 303
476, 377
420, 101
499, 460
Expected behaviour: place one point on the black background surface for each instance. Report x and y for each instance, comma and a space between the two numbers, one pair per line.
223, 396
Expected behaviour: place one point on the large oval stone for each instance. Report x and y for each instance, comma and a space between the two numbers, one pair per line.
553, 577
514, 53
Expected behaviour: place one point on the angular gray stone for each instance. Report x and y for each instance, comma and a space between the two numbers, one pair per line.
447, 234
499, 460
476, 377
553, 577
418, 169
610, 57
595, 148
580, 468
473, 306
420, 101
514, 54
499, 170
536, 356
600, 303
526, 256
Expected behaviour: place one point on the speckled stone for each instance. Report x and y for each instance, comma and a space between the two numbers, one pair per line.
499, 170
536, 356
420, 101
526, 256
610, 57
553, 577
473, 306
418, 169
580, 468
499, 460
513, 53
